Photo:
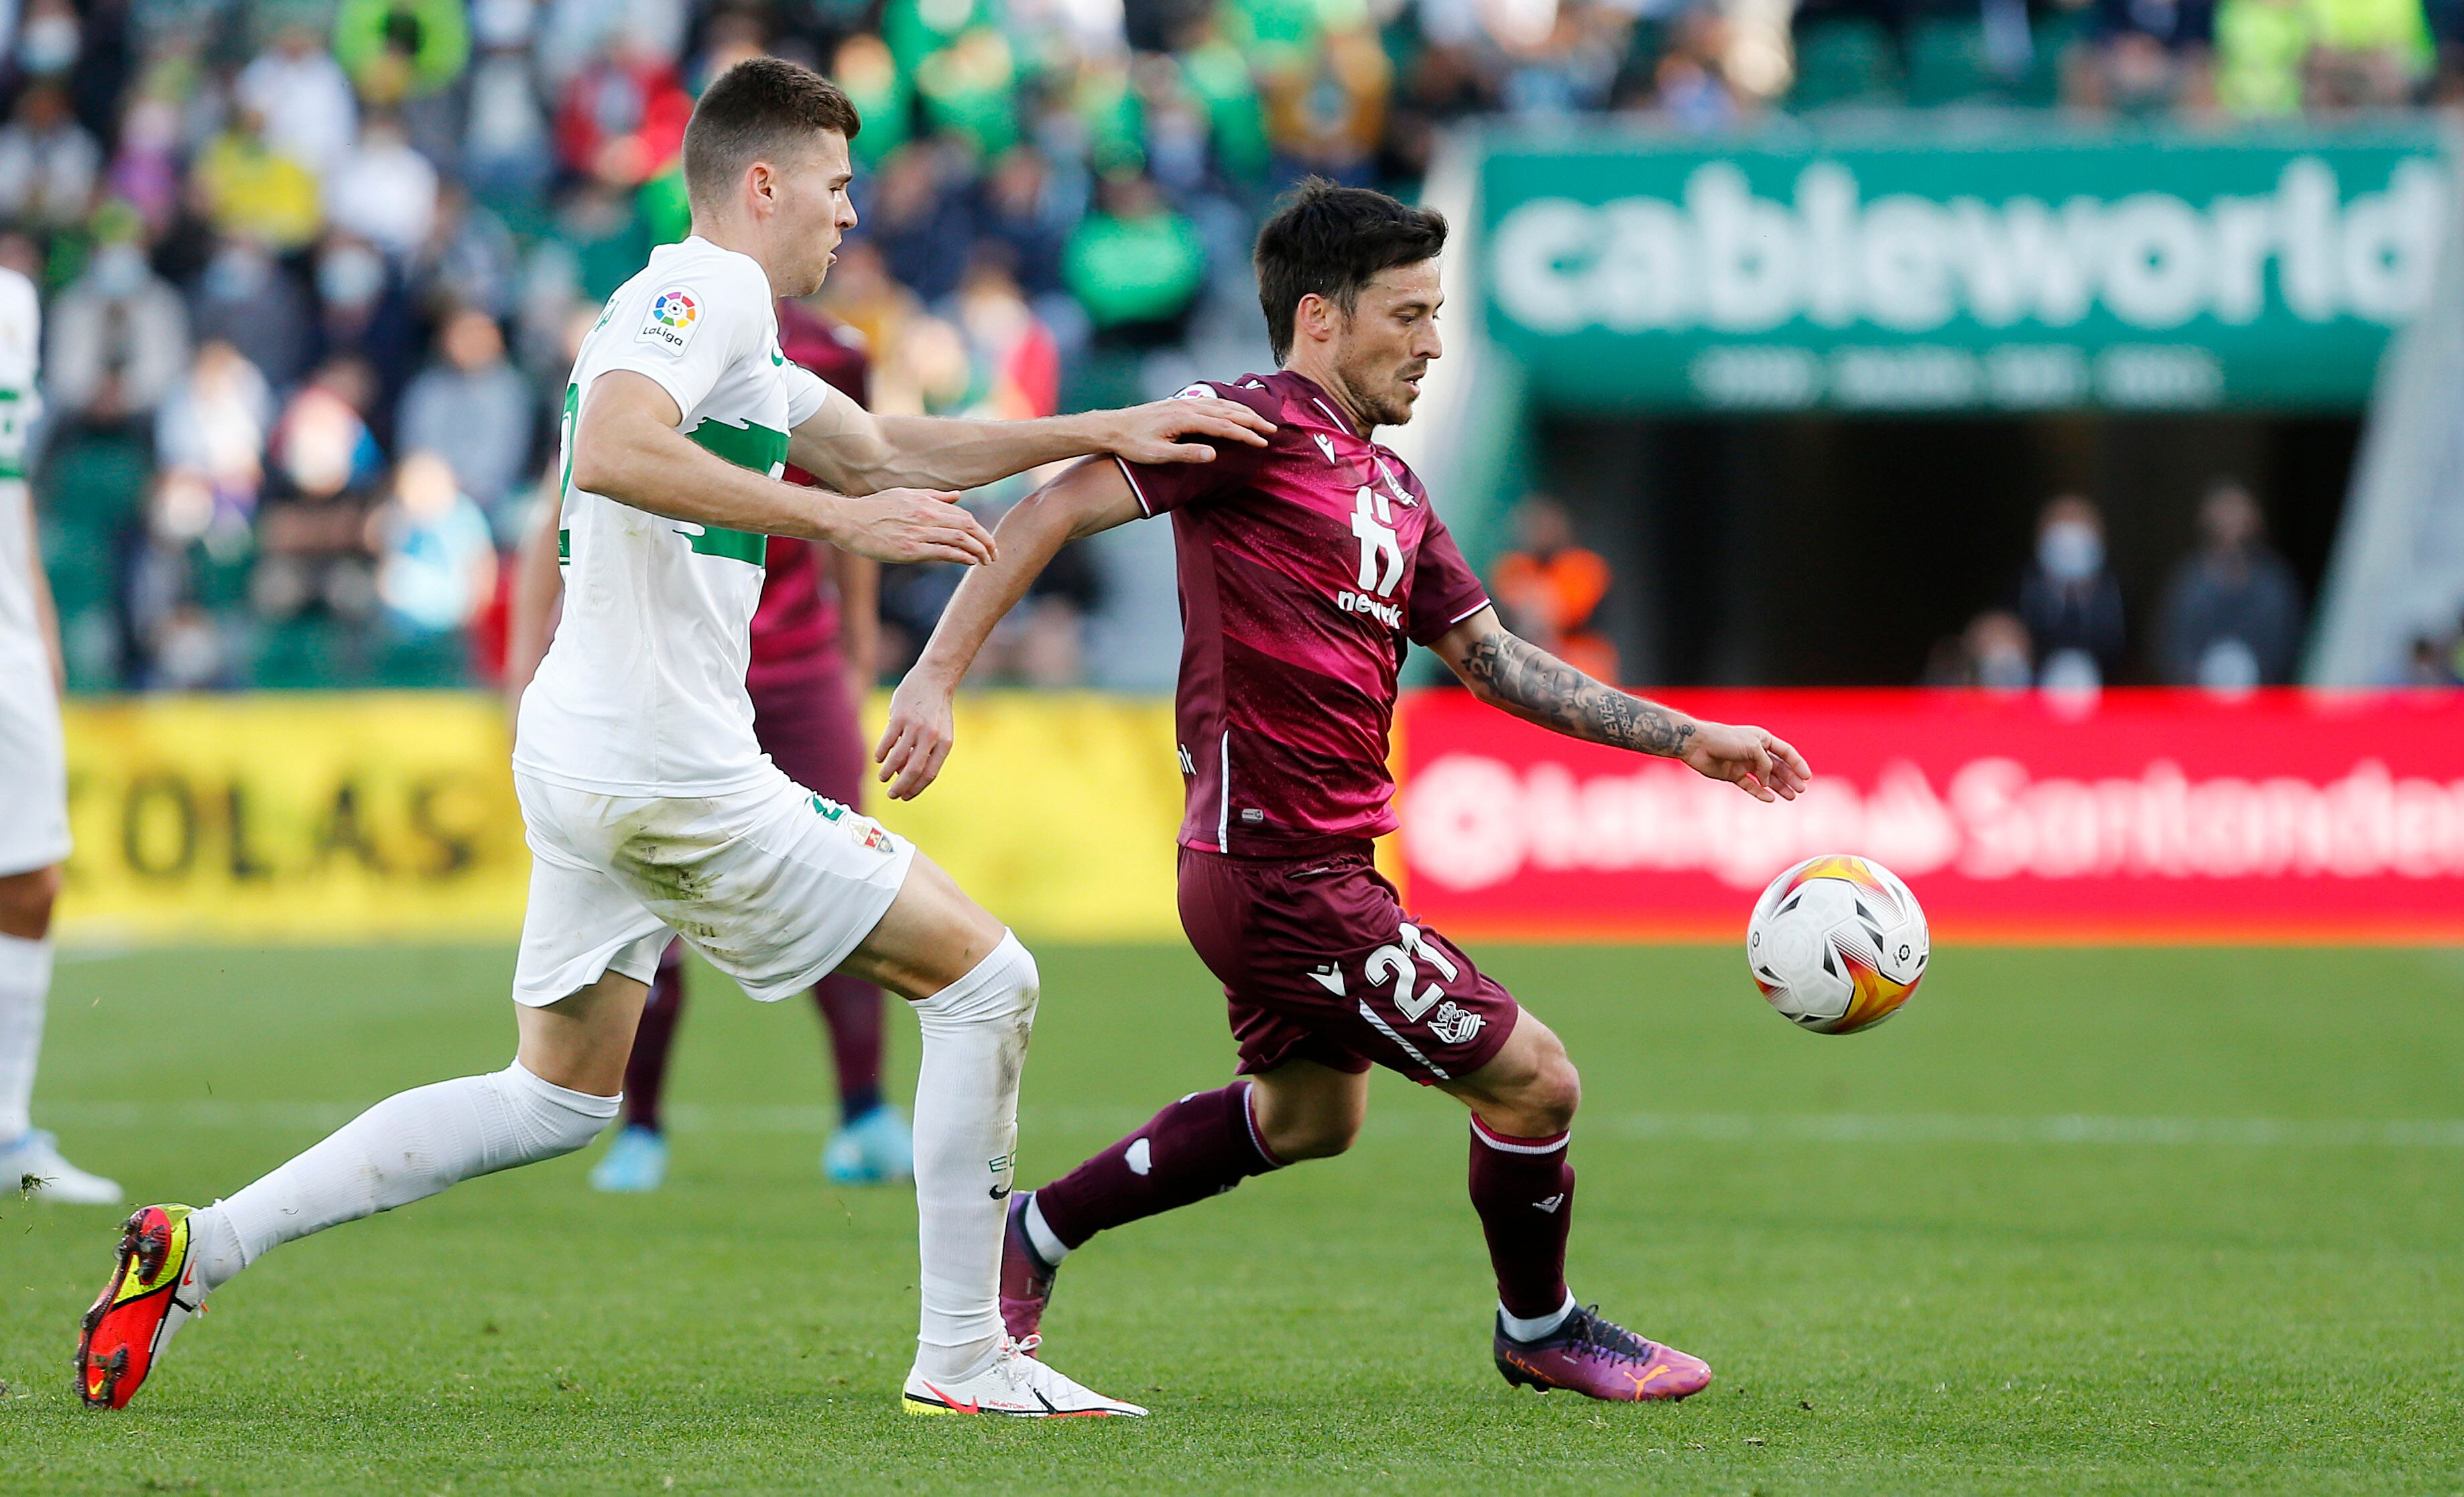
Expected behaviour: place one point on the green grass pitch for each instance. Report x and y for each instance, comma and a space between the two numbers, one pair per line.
2080, 1221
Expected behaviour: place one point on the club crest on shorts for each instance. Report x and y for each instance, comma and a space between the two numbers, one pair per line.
1454, 1025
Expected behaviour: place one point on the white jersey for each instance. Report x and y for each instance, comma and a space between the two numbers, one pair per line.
33, 775
21, 641
642, 692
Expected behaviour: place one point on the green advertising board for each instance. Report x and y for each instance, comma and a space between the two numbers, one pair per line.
1919, 269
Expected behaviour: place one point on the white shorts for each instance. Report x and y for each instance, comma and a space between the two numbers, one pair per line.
773, 885
33, 773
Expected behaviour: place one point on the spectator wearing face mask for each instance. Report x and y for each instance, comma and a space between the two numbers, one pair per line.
472, 407
2069, 600
47, 162
304, 99
117, 338
245, 299
364, 314
2232, 616
252, 191
384, 191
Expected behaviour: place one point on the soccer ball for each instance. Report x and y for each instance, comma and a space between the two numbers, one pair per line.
1838, 944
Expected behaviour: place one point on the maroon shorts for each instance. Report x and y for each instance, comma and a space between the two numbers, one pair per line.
1320, 961
807, 725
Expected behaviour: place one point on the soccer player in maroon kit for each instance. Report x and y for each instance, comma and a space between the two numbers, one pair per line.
813, 638
1305, 568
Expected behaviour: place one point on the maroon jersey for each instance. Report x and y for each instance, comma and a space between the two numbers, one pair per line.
796, 624
1304, 566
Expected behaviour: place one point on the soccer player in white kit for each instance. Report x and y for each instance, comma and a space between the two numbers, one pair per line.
649, 806
34, 777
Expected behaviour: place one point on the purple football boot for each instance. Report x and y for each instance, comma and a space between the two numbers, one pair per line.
1026, 1278
1593, 1357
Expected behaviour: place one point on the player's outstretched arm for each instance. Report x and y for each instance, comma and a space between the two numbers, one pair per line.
626, 447
859, 453
1089, 498
1516, 676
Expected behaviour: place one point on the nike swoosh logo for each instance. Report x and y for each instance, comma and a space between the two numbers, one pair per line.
999, 1191
951, 1402
777, 358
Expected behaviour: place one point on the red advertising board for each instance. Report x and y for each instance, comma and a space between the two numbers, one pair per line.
2143, 814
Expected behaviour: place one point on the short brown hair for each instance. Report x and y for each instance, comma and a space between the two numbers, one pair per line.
1332, 241
761, 107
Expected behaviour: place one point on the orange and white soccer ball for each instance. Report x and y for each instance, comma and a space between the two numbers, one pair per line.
1838, 944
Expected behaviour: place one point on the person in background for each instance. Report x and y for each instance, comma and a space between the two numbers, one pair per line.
472, 407
2232, 616
312, 529
437, 561
118, 336
244, 297
1549, 589
383, 190
2430, 663
34, 779
1135, 263
248, 190
304, 97
1996, 646
813, 648
2069, 600
47, 162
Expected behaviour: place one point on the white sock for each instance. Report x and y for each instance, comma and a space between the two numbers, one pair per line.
408, 1146
1047, 1246
25, 981
966, 1138
1538, 1326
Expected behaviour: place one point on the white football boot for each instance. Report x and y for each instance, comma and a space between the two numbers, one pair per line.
1016, 1384
33, 1166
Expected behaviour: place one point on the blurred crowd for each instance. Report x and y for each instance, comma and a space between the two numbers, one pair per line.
315, 269
2232, 59
2230, 616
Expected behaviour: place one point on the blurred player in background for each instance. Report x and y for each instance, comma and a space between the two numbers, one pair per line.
813, 634
1308, 568
649, 806
34, 777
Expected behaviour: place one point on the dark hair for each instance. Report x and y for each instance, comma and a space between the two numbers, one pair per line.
760, 107
1332, 241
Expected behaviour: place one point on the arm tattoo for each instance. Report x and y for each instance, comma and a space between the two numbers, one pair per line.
1531, 683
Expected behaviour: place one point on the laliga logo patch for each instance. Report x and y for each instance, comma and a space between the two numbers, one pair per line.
673, 316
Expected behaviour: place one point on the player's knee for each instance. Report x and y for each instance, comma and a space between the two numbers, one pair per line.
552, 1119
1314, 1138
1307, 1123
26, 902
1555, 1092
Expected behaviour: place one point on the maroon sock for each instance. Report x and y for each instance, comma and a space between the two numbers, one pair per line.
646, 1069
853, 1013
1523, 1190
1199, 1146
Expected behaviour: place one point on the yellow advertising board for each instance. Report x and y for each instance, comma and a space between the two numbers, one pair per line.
353, 817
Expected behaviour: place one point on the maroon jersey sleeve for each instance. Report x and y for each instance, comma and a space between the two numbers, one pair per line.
1165, 486
1444, 589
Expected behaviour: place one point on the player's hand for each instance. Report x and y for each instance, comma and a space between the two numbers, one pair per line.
1164, 431
1764, 767
918, 741
914, 524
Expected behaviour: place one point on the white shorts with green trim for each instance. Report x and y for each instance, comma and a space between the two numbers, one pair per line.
34, 771
775, 884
